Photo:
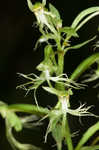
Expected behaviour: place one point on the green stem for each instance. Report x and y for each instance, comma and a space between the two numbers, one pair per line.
60, 55
59, 146
60, 69
60, 62
65, 125
68, 139
60, 66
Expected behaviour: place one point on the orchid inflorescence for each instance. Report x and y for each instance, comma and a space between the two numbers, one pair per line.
53, 80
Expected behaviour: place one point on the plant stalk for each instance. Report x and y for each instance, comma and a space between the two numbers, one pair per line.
67, 135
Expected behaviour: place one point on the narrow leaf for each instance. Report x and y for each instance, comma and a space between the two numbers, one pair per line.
96, 147
87, 19
80, 45
90, 132
83, 14
84, 66
28, 108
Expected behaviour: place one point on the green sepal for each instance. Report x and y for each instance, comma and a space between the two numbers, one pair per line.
49, 62
47, 52
54, 119
54, 11
55, 91
30, 5
57, 135
56, 20
44, 2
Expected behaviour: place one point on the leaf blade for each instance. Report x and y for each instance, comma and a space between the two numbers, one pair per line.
87, 135
83, 14
84, 66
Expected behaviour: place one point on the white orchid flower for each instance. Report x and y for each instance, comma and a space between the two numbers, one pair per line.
82, 110
41, 14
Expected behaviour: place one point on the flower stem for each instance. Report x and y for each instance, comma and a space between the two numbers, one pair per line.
60, 62
68, 139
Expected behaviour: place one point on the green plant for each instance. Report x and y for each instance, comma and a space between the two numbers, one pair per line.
57, 82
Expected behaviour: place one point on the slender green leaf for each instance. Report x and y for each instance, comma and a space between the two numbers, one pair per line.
86, 20
28, 108
96, 147
84, 66
90, 132
83, 14
79, 45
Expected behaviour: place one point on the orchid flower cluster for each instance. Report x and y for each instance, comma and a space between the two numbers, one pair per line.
57, 82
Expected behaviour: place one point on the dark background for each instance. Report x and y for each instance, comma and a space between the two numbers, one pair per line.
17, 38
